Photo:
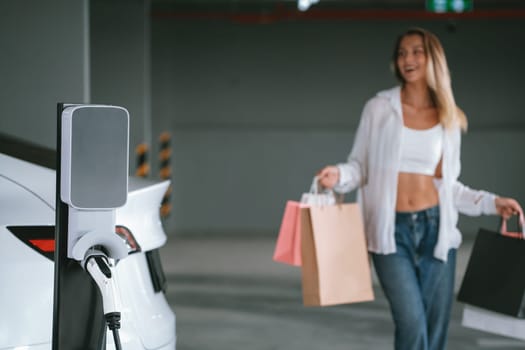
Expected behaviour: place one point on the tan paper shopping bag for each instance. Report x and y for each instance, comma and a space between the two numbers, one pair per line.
336, 266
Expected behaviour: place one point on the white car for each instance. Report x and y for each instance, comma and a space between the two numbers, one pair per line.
27, 219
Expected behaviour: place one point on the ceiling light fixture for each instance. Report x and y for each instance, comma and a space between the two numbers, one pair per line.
304, 5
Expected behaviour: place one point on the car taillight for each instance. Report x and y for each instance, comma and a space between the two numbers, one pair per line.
127, 236
40, 238
45, 245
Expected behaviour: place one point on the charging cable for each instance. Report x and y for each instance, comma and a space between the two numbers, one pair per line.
97, 264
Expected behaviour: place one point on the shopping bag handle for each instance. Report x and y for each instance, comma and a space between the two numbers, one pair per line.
315, 189
315, 185
520, 223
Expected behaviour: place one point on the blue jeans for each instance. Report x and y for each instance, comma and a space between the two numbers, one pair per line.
418, 286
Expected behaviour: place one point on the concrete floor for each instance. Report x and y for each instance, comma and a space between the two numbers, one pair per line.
228, 294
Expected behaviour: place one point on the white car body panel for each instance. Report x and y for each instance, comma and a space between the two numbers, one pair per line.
156, 328
27, 198
37, 179
28, 319
147, 228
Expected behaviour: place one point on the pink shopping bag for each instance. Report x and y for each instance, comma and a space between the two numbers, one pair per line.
288, 245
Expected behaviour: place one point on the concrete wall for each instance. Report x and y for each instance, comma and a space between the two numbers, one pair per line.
44, 60
120, 62
257, 109
73, 51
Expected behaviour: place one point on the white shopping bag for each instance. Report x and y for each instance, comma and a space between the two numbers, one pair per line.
493, 322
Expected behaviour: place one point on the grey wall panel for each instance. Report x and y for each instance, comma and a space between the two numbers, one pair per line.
493, 160
320, 73
44, 60
257, 109
120, 64
238, 181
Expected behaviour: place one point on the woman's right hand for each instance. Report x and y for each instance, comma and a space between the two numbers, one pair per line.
328, 176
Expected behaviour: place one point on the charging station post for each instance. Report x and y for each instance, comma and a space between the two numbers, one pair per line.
92, 180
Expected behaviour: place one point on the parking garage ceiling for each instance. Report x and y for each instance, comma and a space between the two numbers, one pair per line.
267, 11
348, 4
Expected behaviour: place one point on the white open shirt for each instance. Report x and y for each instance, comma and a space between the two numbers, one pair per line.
373, 165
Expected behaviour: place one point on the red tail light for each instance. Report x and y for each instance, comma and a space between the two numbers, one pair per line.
127, 236
45, 245
42, 238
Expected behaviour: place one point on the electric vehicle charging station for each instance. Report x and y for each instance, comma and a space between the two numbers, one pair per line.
92, 181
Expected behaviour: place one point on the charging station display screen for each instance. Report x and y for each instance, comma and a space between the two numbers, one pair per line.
98, 157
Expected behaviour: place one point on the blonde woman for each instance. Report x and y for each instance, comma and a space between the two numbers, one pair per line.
406, 159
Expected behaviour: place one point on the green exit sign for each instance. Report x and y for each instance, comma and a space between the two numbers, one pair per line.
441, 6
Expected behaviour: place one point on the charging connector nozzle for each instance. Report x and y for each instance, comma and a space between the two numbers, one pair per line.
96, 263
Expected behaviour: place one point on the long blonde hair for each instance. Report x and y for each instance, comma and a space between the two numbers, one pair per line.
438, 78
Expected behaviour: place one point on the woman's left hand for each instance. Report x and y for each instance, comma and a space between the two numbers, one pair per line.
507, 207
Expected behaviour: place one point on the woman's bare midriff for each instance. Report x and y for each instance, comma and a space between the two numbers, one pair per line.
415, 192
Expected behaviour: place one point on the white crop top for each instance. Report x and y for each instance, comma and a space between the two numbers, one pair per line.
421, 150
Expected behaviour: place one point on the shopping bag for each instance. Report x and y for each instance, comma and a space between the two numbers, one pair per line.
494, 278
493, 322
288, 245
335, 262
